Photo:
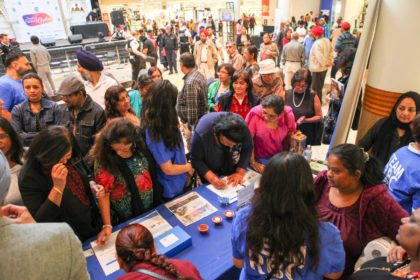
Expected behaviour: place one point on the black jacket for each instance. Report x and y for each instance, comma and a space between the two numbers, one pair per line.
226, 100
83, 217
90, 120
170, 42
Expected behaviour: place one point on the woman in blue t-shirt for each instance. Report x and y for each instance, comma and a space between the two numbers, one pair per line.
163, 137
279, 236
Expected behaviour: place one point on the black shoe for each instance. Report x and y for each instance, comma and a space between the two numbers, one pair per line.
176, 71
166, 69
170, 73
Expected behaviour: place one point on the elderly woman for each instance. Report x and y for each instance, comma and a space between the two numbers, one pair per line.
268, 49
136, 251
268, 81
117, 104
54, 183
402, 172
241, 100
391, 133
306, 107
279, 233
36, 113
351, 195
221, 86
270, 124
124, 167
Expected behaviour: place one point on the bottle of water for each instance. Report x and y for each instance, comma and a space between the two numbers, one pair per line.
307, 153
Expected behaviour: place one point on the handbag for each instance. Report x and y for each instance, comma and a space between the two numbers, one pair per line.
319, 129
329, 124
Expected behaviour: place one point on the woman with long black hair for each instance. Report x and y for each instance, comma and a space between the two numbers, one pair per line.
279, 235
54, 183
163, 138
391, 133
12, 148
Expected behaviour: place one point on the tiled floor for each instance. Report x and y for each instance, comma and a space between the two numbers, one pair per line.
122, 72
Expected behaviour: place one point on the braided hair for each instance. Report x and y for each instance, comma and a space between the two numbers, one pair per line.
135, 245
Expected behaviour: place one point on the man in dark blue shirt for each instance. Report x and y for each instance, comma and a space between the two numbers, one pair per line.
221, 145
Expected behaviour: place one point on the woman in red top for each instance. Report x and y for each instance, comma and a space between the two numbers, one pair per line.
351, 195
287, 37
241, 100
136, 251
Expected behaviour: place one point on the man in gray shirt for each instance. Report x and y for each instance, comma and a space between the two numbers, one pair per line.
41, 59
292, 59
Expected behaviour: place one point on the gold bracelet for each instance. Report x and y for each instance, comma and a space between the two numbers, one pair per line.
105, 226
58, 190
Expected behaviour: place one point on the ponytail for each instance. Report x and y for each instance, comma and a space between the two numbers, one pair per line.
354, 158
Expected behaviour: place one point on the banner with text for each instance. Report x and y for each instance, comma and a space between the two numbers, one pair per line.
40, 18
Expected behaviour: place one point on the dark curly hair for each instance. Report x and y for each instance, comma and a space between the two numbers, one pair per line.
112, 96
284, 216
134, 244
159, 115
113, 132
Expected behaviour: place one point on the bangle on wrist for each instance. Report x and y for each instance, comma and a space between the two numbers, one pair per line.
58, 190
107, 226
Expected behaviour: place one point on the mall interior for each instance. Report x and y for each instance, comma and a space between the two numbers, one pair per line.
385, 67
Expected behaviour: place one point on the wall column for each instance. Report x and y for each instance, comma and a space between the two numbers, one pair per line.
394, 60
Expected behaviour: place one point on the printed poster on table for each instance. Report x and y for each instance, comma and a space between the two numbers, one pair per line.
190, 208
35, 17
230, 193
106, 254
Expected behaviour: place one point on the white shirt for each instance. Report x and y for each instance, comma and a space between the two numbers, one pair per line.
98, 92
302, 32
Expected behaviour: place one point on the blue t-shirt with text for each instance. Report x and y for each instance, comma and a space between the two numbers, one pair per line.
402, 174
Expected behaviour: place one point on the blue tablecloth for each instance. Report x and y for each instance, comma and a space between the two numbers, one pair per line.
211, 253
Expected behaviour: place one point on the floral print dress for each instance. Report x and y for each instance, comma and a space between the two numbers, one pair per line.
120, 196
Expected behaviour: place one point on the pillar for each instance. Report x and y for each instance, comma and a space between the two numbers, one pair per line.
394, 60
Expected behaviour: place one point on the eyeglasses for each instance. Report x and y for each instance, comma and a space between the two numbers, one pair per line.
4, 136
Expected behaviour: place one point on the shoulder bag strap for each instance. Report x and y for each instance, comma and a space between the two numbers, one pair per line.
151, 274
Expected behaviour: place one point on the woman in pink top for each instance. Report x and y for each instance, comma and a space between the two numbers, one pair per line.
269, 123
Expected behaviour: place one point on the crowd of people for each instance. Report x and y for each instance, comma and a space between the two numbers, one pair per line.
105, 154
